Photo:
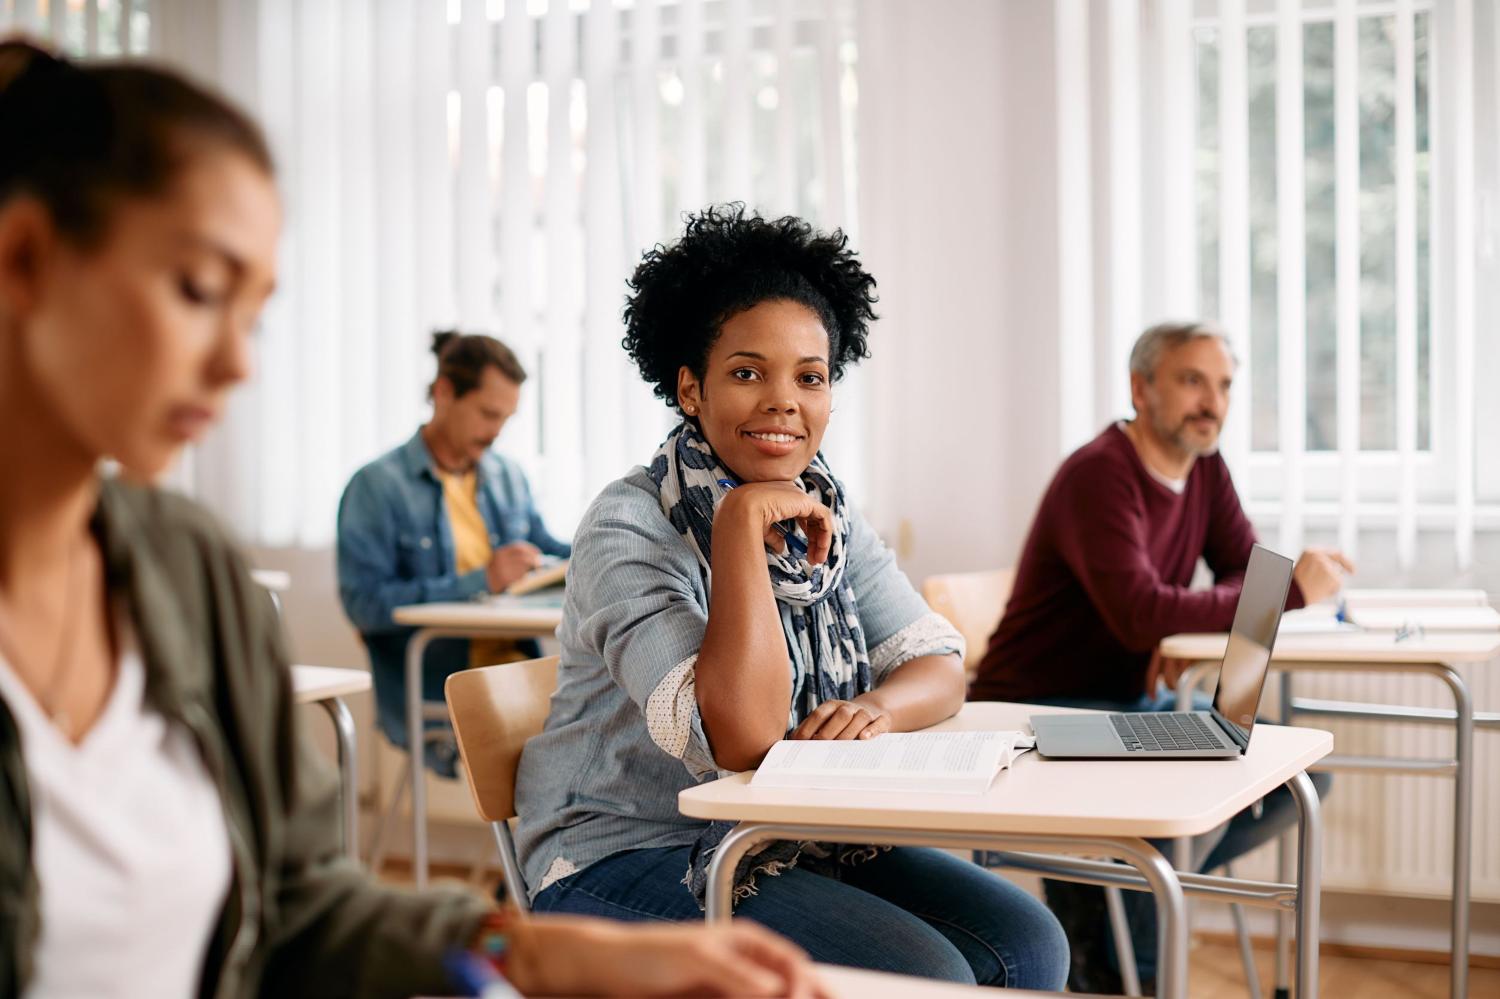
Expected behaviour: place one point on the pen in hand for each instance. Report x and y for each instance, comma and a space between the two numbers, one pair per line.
474, 976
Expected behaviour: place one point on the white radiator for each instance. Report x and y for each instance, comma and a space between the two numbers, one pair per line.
1393, 834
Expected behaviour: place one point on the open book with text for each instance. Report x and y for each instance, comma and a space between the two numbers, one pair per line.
964, 762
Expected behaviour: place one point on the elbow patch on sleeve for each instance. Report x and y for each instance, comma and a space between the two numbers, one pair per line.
673, 722
928, 635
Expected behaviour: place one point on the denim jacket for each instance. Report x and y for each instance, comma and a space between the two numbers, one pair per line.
395, 547
623, 735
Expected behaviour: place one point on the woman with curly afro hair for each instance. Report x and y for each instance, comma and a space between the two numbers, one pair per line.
725, 596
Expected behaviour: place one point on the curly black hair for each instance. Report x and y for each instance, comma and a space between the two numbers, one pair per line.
728, 261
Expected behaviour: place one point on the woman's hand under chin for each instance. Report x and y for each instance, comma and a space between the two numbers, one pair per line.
766, 504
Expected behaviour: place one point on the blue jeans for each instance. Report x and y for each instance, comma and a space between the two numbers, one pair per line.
1212, 850
910, 911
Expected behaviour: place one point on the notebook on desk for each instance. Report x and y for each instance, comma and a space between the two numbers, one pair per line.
1221, 732
552, 572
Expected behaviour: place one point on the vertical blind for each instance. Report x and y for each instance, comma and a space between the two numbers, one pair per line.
1330, 148
495, 165
524, 153
83, 27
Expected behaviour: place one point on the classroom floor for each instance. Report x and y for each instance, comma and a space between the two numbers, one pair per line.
1216, 973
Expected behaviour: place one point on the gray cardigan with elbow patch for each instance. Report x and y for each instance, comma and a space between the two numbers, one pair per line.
624, 736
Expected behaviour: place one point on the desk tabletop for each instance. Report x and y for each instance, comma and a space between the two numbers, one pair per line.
535, 615
1351, 647
1038, 795
318, 683
1357, 598
1323, 619
272, 579
854, 983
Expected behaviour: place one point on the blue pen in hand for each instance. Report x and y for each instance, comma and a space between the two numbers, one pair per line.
797, 546
474, 976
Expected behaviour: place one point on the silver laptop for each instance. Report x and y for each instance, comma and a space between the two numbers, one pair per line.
1223, 731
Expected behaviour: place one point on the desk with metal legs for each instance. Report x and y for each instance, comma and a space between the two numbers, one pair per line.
1434, 654
535, 616
1045, 814
328, 686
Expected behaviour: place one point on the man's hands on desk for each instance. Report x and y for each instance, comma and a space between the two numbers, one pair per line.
1320, 573
509, 563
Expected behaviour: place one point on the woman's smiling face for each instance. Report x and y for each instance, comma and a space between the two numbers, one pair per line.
764, 398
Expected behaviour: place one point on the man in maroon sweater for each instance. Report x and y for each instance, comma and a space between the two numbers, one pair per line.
1104, 577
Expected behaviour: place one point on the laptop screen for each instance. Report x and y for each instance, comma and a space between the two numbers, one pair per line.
1256, 619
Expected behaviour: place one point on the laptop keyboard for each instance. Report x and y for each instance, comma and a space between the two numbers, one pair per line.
1157, 731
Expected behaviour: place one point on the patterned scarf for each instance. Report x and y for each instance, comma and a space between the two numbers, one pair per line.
824, 641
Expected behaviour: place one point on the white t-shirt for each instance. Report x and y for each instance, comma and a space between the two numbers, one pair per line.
130, 846
1178, 486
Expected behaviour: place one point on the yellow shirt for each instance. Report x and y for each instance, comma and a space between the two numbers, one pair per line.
471, 550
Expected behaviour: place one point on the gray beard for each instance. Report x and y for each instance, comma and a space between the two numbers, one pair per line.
1178, 437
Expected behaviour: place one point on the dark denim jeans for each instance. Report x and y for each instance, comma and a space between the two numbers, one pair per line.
910, 910
1243, 833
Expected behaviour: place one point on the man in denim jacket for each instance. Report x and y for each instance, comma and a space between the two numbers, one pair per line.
440, 518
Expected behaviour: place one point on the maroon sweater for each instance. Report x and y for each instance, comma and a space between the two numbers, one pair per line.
1104, 576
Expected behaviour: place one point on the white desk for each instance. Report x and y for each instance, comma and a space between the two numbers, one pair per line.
853, 983
1419, 620
1074, 807
1435, 654
532, 616
1415, 598
328, 686
272, 579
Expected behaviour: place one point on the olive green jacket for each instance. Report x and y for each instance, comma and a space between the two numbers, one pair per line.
300, 919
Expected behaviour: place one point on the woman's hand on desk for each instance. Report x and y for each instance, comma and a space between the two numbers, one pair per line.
560, 955
844, 720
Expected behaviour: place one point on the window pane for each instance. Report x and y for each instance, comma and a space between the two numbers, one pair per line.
1264, 350
1208, 172
1377, 225
1321, 223
1424, 219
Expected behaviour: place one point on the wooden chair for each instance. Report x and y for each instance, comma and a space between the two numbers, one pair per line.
495, 709
972, 602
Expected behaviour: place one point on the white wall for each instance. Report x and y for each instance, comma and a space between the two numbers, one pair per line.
958, 206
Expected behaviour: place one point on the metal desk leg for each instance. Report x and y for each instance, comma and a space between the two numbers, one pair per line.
1309, 882
415, 745
1171, 916
343, 727
1463, 815
1284, 867
1119, 924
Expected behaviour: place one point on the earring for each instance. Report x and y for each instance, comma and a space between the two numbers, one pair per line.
692, 410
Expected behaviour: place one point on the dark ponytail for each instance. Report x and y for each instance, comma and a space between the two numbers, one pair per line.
76, 137
462, 358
